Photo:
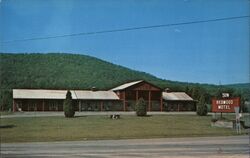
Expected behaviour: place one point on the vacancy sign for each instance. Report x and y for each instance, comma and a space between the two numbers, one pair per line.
225, 104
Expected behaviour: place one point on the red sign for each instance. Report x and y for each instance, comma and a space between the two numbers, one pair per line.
225, 104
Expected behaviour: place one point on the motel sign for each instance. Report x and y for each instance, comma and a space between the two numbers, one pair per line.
225, 104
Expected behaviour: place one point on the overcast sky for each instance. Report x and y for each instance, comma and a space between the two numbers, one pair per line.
212, 52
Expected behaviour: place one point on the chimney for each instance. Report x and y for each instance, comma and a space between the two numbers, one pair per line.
94, 89
167, 90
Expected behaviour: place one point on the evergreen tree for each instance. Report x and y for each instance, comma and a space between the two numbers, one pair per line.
187, 90
202, 107
68, 107
195, 93
141, 107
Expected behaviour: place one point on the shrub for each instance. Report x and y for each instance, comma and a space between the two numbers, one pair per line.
68, 107
201, 107
141, 108
202, 110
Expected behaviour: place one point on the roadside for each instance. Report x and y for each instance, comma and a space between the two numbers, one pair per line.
199, 147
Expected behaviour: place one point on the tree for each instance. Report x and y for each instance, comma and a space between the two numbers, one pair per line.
187, 90
141, 108
201, 107
5, 100
68, 107
195, 93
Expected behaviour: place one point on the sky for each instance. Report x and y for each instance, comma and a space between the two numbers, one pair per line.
215, 52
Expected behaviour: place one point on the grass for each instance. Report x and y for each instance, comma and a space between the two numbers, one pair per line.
102, 127
5, 113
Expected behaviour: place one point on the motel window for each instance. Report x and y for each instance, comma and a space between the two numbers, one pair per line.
53, 106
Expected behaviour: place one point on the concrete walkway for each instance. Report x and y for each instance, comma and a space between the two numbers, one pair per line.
46, 114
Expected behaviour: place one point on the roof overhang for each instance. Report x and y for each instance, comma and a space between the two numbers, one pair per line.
176, 96
61, 94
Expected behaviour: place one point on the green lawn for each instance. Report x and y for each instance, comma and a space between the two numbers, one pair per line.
102, 127
5, 113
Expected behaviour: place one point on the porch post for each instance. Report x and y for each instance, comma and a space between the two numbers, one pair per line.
161, 104
149, 100
136, 95
124, 101
13, 106
43, 104
101, 105
79, 105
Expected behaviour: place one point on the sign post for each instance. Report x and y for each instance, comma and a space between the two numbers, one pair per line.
237, 119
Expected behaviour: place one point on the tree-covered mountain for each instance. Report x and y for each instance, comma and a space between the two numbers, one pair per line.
63, 71
242, 89
73, 71
239, 85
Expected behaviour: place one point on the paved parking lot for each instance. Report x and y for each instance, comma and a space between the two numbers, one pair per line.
210, 147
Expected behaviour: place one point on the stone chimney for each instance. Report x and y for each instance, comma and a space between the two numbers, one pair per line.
94, 89
167, 90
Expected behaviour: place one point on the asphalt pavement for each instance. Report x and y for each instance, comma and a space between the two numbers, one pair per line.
210, 147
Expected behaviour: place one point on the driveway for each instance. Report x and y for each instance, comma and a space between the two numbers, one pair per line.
205, 147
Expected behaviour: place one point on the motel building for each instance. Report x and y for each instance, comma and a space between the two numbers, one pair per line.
121, 98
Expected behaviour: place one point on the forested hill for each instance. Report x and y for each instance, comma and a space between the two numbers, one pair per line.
72, 71
242, 88
63, 71
239, 85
